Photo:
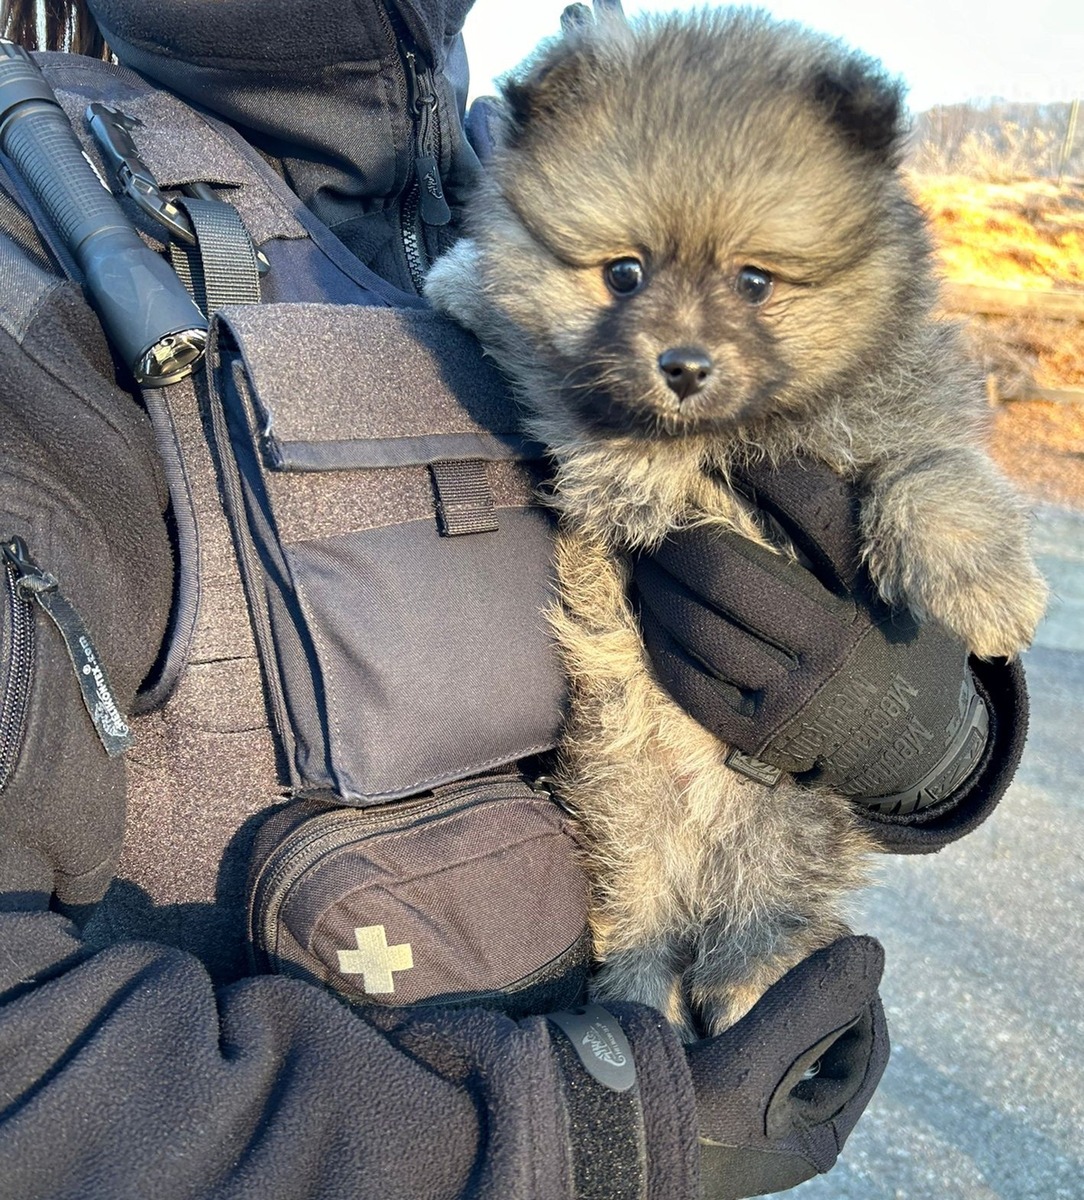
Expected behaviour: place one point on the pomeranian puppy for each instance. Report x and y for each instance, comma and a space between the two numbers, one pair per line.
693, 246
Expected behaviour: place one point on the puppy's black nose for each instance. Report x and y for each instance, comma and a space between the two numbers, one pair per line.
686, 369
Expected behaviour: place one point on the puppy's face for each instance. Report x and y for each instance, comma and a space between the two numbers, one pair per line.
698, 223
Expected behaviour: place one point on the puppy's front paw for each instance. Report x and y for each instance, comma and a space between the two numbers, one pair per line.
452, 283
645, 979
957, 552
997, 617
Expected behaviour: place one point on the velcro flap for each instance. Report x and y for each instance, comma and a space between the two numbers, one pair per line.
351, 388
396, 559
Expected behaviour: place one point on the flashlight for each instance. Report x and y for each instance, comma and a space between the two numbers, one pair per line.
146, 313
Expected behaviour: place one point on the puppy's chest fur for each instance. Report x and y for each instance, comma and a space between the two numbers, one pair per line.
616, 498
630, 492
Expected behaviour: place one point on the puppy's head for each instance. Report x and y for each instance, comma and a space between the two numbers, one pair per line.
697, 221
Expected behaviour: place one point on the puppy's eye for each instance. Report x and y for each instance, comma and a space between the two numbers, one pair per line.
624, 276
754, 285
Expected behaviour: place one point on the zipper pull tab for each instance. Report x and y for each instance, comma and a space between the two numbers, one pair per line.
38, 585
432, 205
31, 582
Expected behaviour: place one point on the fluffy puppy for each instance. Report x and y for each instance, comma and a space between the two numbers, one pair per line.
693, 246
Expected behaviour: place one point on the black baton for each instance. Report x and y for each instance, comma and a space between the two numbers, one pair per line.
150, 319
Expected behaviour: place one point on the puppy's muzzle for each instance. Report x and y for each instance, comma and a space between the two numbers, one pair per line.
686, 369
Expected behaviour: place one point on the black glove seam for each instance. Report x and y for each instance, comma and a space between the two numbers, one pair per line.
787, 659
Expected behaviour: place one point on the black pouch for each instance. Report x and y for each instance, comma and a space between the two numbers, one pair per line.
395, 561
470, 895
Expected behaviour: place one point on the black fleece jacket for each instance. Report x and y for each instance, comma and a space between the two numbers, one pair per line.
322, 89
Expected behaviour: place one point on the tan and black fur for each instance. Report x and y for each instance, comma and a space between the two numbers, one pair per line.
700, 146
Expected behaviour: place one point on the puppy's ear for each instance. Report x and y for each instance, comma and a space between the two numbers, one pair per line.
865, 104
560, 80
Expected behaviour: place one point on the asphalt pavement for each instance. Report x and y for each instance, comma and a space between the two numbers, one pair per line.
983, 1098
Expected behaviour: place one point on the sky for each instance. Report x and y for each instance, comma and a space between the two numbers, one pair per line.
946, 51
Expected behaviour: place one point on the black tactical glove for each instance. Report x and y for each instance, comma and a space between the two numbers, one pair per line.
802, 668
771, 1102
779, 1093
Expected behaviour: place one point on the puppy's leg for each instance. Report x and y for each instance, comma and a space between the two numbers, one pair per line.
947, 537
649, 973
739, 960
724, 986
624, 785
780, 863
641, 929
691, 863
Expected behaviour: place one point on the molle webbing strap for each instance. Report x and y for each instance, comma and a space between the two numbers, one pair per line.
221, 268
464, 499
178, 145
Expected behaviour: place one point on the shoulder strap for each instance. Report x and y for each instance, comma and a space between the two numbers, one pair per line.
183, 147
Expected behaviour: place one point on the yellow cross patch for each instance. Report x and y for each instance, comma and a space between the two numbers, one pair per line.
374, 960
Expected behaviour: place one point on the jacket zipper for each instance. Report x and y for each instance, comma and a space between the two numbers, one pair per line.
30, 584
423, 198
432, 206
412, 243
15, 700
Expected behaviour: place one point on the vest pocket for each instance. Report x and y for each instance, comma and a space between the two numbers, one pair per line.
395, 561
471, 895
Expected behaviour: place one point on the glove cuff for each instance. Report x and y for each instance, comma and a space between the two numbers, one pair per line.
632, 1124
967, 743
1003, 690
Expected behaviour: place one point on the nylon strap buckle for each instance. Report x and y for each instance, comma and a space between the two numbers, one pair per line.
209, 247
